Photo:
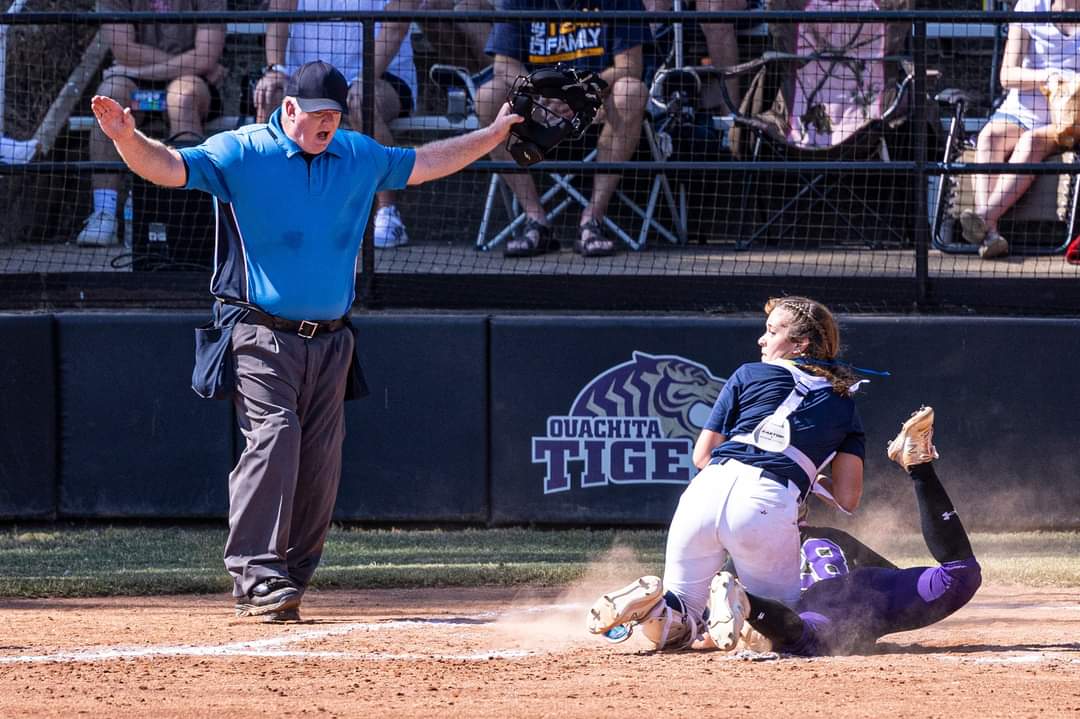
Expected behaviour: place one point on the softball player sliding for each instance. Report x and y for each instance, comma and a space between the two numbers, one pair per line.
849, 611
775, 426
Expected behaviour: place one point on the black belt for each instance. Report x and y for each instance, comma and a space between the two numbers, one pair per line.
304, 328
782, 481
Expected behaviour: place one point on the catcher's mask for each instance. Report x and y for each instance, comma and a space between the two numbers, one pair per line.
543, 128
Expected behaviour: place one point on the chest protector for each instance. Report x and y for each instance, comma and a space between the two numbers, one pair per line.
773, 434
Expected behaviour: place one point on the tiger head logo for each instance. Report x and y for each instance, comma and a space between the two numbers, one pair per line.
678, 392
632, 424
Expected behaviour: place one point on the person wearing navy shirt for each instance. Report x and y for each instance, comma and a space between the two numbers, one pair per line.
848, 608
610, 48
293, 196
775, 427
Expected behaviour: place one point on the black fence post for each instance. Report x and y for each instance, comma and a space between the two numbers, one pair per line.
367, 112
921, 231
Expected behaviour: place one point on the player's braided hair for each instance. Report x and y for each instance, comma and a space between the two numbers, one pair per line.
813, 322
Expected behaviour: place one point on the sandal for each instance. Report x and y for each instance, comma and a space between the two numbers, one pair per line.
592, 242
534, 239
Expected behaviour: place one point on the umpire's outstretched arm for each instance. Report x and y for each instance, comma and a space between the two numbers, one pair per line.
147, 158
445, 157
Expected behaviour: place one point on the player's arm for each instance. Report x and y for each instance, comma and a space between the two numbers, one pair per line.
846, 483
147, 158
445, 157
706, 442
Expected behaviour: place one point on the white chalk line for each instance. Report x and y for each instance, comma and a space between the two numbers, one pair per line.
267, 647
1028, 658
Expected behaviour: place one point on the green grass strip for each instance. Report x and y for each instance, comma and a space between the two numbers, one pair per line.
101, 561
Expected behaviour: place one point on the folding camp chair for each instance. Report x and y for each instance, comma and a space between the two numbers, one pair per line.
1047, 210
562, 192
829, 92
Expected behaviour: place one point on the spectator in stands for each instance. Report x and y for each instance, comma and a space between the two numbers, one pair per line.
342, 45
720, 39
612, 49
183, 60
1037, 55
476, 32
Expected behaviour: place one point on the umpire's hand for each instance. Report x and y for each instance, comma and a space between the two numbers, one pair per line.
116, 122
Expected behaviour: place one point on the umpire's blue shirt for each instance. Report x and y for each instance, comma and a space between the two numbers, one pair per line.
288, 233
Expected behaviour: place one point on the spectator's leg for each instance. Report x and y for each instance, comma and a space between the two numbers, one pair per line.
491, 96
624, 109
389, 228
476, 32
188, 102
387, 107
100, 227
721, 41
1034, 146
996, 140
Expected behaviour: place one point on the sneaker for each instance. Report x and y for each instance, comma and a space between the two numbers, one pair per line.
728, 609
389, 229
270, 595
632, 603
914, 445
972, 227
993, 246
99, 230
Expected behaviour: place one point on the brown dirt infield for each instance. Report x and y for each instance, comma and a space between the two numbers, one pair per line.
487, 652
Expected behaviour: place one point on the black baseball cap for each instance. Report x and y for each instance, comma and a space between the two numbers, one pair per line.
318, 85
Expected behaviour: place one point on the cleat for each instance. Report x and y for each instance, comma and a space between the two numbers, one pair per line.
728, 608
619, 633
632, 603
915, 442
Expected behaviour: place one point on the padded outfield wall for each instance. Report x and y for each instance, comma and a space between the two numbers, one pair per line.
505, 419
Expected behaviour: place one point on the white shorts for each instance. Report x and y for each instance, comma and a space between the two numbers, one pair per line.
731, 508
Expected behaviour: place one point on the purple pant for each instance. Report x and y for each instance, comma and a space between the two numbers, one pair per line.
849, 613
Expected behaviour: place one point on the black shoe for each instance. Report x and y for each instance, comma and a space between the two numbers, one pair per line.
270, 595
283, 616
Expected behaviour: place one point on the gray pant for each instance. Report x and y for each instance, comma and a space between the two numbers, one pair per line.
289, 399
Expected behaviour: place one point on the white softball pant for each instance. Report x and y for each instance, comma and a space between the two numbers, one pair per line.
731, 508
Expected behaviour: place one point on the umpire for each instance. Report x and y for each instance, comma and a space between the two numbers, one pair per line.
293, 199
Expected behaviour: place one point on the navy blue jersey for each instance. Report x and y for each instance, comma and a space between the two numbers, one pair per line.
583, 45
824, 423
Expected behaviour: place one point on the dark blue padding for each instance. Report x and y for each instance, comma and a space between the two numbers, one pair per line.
1004, 390
416, 448
27, 417
136, 441
538, 368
